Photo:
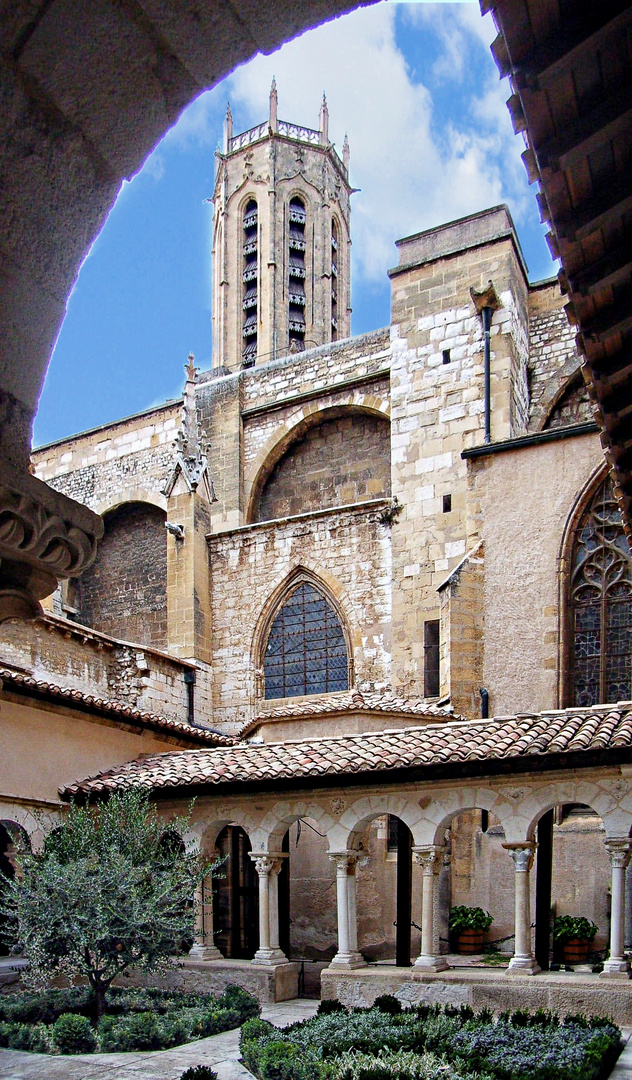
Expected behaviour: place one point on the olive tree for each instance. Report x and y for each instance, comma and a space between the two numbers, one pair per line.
112, 889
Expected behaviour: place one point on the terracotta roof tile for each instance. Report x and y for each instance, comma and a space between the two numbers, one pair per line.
15, 680
348, 701
559, 732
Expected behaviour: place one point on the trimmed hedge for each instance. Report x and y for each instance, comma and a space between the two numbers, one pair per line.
430, 1043
137, 1019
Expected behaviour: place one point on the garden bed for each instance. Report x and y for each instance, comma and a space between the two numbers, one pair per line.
60, 1021
426, 1042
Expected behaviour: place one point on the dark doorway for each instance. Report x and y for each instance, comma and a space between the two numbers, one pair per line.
401, 834
284, 898
543, 881
236, 897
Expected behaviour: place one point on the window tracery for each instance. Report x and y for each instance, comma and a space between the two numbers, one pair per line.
297, 298
601, 604
249, 278
306, 652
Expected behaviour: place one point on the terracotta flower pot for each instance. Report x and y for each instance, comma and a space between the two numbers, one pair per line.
470, 941
575, 950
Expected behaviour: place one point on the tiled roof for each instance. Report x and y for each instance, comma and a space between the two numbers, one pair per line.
456, 742
15, 680
349, 701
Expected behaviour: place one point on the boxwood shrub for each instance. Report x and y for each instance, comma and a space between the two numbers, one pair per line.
137, 1019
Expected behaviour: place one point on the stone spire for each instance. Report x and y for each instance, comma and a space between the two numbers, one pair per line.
345, 152
190, 469
228, 129
274, 106
323, 121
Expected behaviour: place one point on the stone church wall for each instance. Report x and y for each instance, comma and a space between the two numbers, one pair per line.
348, 550
552, 352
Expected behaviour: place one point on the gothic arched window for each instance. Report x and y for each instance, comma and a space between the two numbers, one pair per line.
249, 276
297, 297
306, 651
601, 604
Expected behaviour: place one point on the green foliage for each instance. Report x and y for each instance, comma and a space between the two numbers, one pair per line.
199, 1072
567, 927
388, 1003
468, 918
137, 1019
330, 1006
74, 1034
106, 893
426, 1042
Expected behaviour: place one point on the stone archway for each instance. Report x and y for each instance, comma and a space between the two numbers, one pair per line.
90, 89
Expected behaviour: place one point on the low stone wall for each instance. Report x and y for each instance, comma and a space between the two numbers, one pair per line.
267, 984
562, 993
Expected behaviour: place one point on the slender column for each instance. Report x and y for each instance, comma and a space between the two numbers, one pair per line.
268, 867
347, 954
616, 966
430, 859
204, 947
523, 961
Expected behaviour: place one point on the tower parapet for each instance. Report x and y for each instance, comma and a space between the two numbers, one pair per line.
281, 241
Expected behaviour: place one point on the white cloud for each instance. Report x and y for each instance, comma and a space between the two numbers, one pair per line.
413, 173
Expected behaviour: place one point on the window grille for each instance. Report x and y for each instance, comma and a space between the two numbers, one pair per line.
306, 651
601, 605
334, 274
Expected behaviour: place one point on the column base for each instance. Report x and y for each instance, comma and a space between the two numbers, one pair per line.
523, 965
348, 960
615, 969
205, 952
431, 963
269, 957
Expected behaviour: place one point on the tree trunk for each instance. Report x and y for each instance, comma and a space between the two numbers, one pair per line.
99, 1000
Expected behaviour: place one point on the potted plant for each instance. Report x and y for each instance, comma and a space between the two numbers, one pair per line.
575, 934
469, 924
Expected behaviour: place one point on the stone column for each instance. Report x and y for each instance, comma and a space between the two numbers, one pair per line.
347, 954
268, 867
523, 960
616, 966
430, 859
204, 947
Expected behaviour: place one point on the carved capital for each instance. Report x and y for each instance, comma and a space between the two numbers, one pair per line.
345, 861
44, 536
266, 865
522, 855
429, 858
619, 852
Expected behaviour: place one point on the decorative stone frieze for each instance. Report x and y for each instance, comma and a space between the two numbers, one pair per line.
44, 536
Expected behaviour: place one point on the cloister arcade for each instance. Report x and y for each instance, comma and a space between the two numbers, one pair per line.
519, 817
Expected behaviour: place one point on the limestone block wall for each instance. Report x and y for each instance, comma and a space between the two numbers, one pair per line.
349, 551
553, 355
521, 501
463, 633
125, 461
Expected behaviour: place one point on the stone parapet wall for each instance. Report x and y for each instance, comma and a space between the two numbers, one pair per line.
70, 655
126, 461
553, 355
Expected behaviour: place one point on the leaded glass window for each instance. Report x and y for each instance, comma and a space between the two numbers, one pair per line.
601, 605
306, 651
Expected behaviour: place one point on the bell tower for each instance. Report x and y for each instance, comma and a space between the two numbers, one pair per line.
281, 241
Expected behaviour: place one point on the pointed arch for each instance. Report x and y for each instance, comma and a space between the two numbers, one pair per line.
302, 643
596, 595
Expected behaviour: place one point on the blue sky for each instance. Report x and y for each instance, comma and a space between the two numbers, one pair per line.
415, 87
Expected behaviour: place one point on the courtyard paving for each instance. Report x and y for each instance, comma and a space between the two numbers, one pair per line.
220, 1051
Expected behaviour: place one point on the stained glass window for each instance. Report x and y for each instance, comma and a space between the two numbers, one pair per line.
601, 603
306, 651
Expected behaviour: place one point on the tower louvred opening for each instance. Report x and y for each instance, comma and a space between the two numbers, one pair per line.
296, 292
250, 281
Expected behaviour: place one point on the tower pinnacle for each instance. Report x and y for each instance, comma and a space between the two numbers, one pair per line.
274, 104
323, 121
228, 129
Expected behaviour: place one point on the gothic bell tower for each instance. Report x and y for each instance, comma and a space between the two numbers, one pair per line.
281, 242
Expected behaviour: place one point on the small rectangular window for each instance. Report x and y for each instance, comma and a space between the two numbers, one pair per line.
446, 356
431, 658
391, 842
447, 504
